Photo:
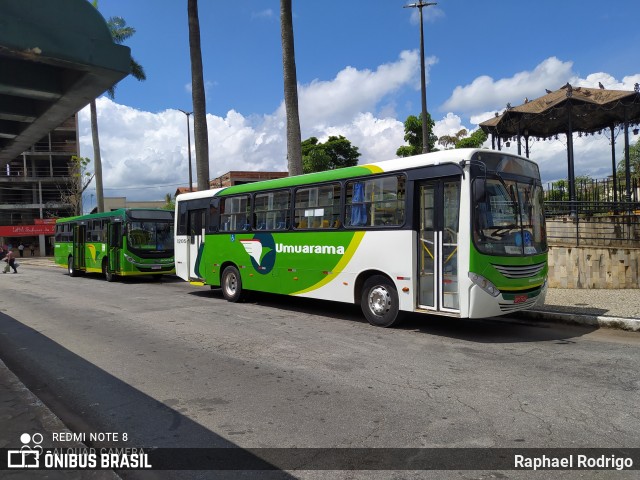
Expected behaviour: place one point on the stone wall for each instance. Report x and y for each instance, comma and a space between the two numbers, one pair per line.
594, 267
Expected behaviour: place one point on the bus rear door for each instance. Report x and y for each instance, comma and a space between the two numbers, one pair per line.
79, 239
114, 246
196, 230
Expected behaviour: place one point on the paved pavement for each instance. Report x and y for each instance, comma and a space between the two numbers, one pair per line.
21, 412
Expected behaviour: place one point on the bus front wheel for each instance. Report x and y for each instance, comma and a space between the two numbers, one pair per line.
71, 269
231, 284
379, 302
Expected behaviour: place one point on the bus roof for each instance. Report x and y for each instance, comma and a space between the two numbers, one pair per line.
396, 164
113, 213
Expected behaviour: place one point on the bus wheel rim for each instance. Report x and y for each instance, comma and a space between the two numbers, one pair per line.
379, 301
231, 284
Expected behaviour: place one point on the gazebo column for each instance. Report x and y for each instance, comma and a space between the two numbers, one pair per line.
627, 167
613, 169
571, 166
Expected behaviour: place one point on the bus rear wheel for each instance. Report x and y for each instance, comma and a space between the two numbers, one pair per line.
108, 276
380, 303
70, 268
231, 284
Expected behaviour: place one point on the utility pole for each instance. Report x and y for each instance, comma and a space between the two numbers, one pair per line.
423, 84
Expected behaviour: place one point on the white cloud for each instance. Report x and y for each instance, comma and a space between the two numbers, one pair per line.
145, 154
485, 92
353, 91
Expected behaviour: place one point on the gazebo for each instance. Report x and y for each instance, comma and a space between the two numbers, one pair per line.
565, 111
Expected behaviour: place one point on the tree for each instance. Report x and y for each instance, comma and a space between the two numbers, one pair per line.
169, 202
413, 136
201, 133
76, 183
475, 140
449, 141
634, 160
119, 32
336, 152
294, 137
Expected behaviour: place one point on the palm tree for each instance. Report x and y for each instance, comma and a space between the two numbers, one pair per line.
201, 133
120, 32
294, 137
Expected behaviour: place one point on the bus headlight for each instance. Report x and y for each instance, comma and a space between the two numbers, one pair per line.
484, 284
128, 258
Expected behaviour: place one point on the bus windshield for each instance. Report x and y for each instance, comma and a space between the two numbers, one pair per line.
150, 237
508, 216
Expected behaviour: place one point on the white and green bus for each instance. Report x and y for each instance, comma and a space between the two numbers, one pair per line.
458, 233
123, 242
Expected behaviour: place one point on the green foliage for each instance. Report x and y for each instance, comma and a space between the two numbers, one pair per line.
336, 152
449, 141
475, 140
78, 169
73, 186
413, 136
634, 160
120, 32
560, 189
169, 202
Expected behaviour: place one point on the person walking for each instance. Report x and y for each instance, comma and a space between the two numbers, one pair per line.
33, 250
11, 262
21, 249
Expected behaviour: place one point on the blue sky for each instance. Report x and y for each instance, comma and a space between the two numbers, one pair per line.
358, 75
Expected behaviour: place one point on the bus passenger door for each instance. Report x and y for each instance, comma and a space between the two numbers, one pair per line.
79, 239
439, 207
114, 239
196, 231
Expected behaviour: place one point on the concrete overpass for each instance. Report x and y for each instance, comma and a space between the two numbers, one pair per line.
55, 57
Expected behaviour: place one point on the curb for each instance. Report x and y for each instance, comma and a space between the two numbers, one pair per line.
619, 323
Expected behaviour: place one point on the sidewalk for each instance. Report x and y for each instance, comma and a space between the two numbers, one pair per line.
618, 309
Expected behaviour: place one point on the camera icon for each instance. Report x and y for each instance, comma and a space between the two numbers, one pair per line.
27, 456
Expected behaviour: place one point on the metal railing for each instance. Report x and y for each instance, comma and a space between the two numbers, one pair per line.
595, 223
608, 189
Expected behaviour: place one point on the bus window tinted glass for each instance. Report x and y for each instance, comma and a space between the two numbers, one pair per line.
271, 210
508, 217
150, 236
377, 202
318, 207
234, 214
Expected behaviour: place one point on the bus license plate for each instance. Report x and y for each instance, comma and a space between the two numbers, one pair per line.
520, 298
156, 267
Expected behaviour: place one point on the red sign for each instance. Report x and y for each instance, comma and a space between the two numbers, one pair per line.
27, 230
45, 221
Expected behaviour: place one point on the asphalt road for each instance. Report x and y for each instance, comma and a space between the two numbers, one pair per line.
172, 365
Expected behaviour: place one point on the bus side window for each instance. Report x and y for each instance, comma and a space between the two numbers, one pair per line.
214, 219
234, 214
182, 222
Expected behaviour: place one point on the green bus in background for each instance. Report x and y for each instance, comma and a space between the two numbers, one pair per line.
124, 242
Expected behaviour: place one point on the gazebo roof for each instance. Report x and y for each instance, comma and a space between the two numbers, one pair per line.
575, 109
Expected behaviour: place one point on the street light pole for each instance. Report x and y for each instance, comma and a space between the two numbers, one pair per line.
423, 84
189, 148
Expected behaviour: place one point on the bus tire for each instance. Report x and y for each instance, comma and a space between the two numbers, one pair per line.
70, 268
231, 284
108, 276
380, 303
